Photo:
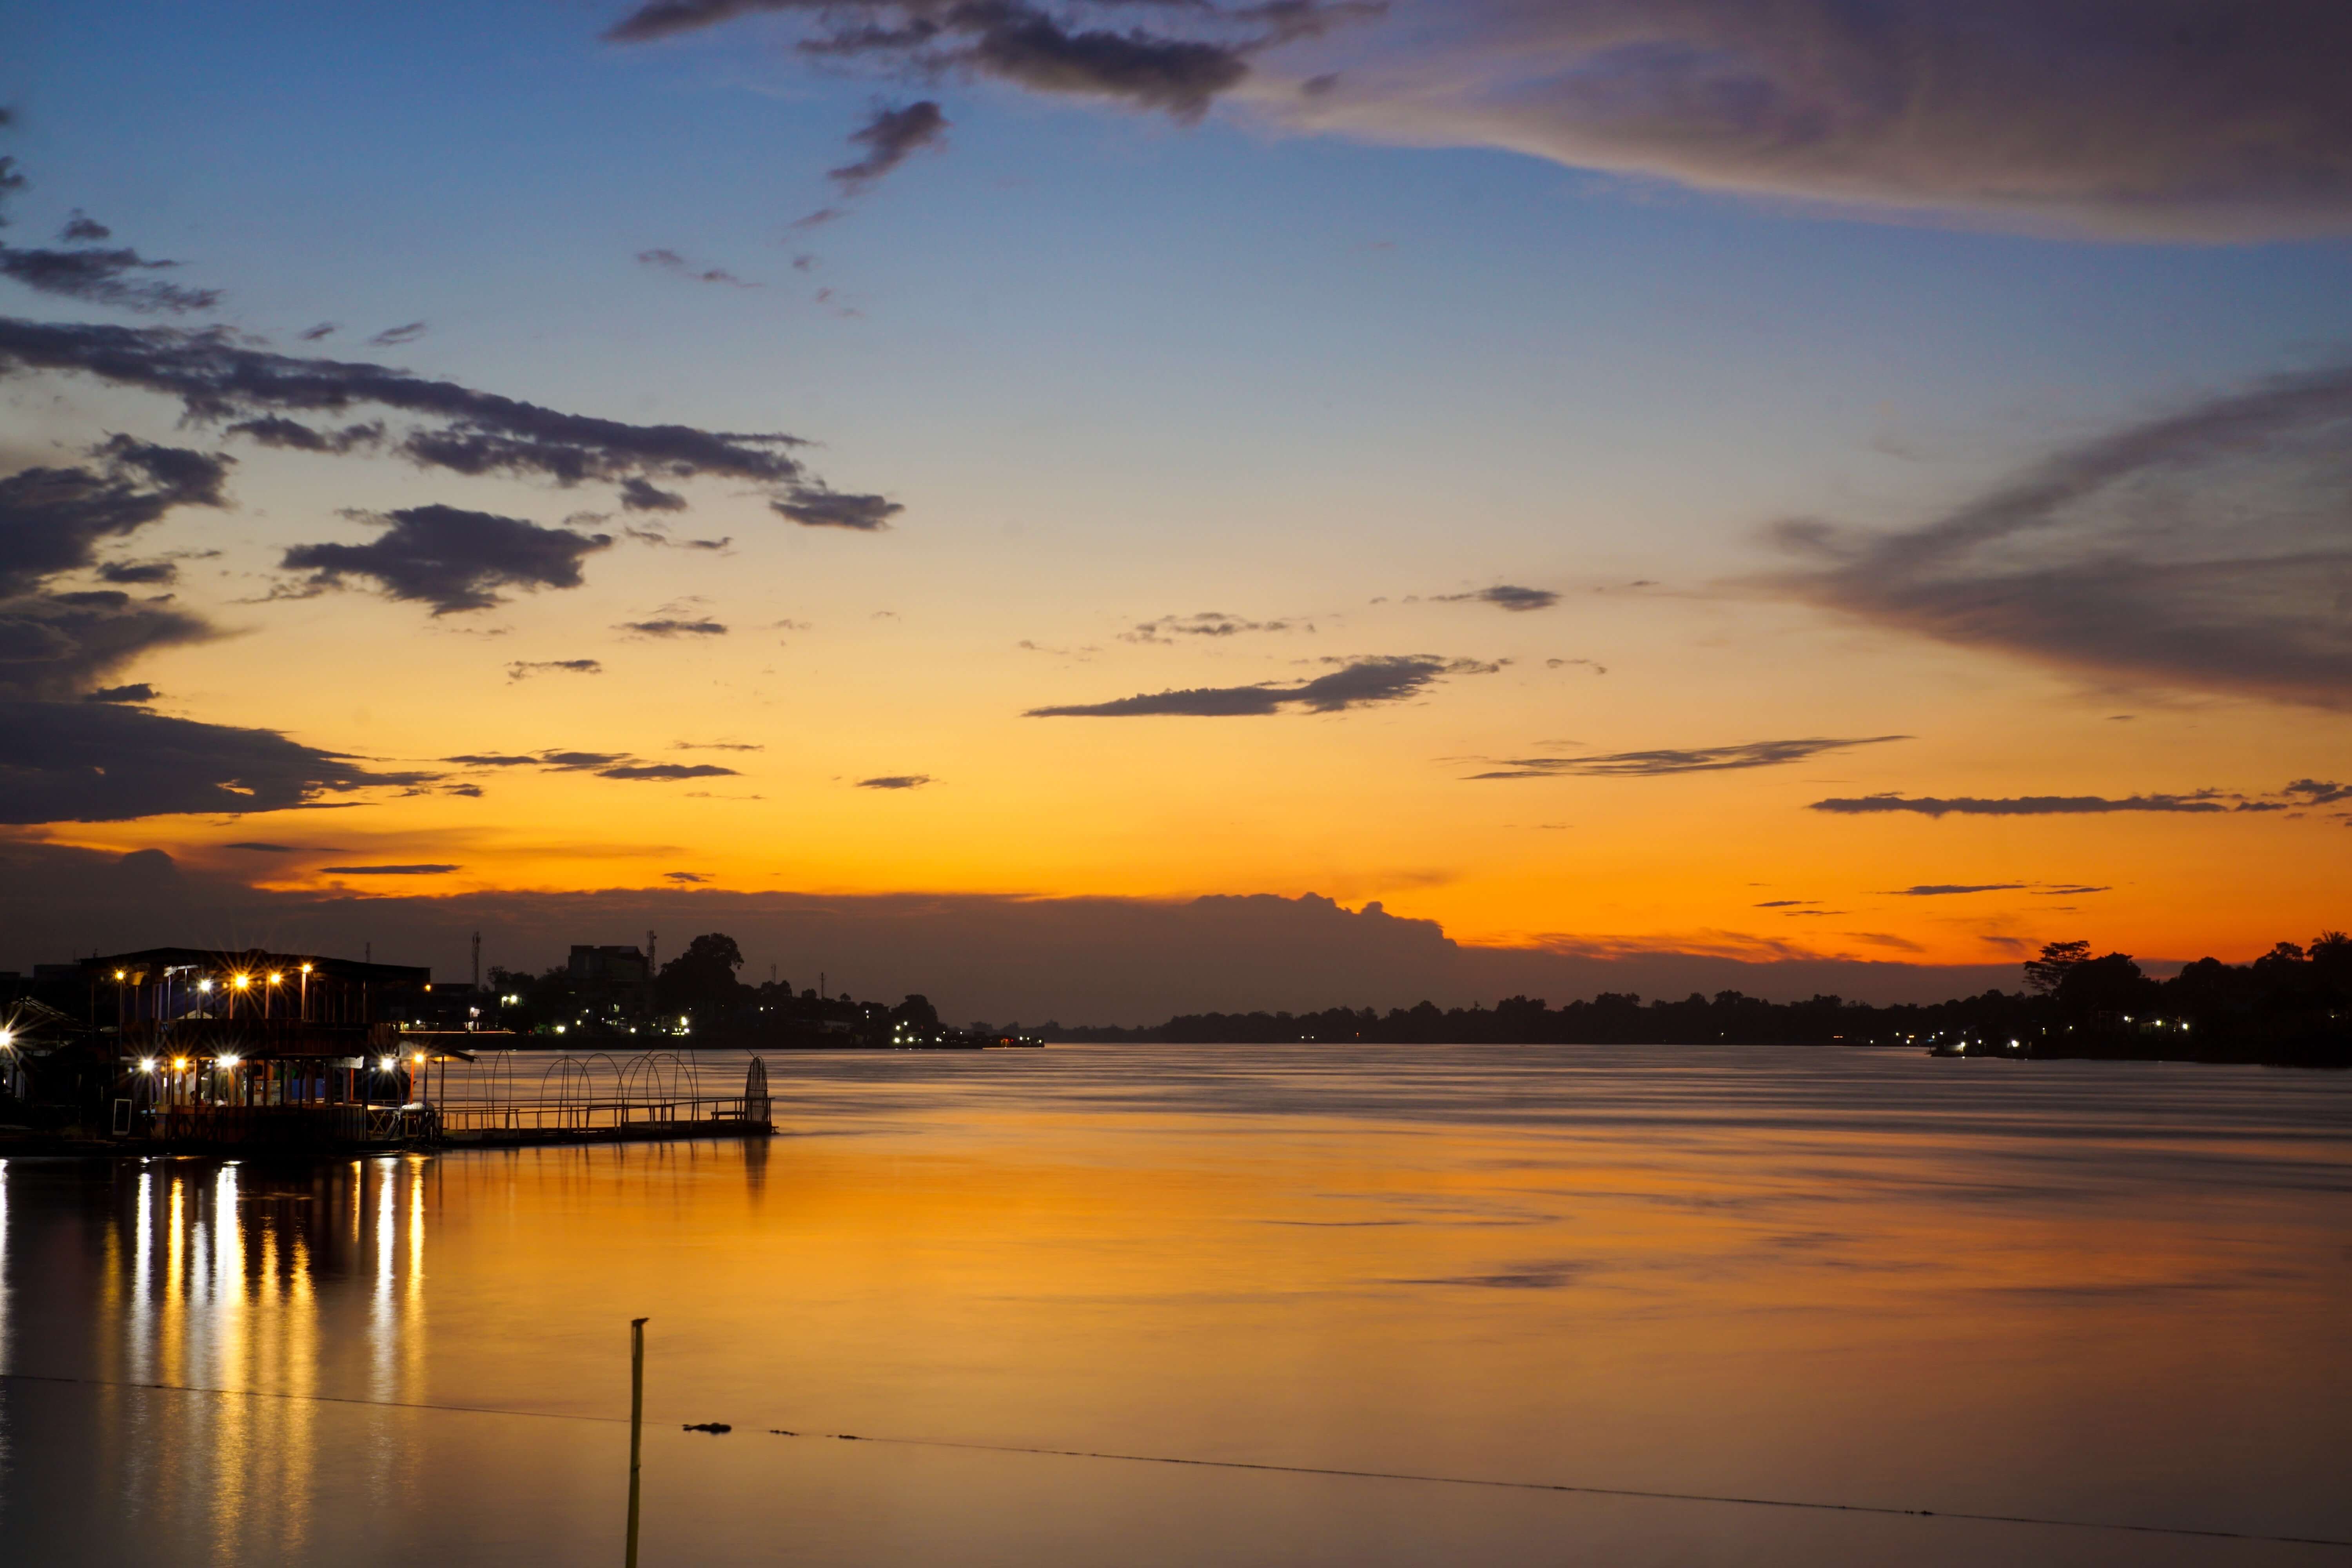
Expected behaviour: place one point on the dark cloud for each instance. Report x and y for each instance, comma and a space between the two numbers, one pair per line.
52, 519
684, 877
1946, 890
52, 643
1004, 956
83, 229
2028, 806
140, 574
2205, 551
666, 771
141, 693
392, 337
524, 667
896, 780
72, 762
1697, 760
675, 628
603, 765
312, 334
1506, 596
262, 848
1357, 684
452, 559
642, 495
2317, 792
460, 429
115, 278
671, 261
814, 508
2156, 119
292, 435
423, 870
891, 138
715, 746
1207, 624
1785, 903
1177, 72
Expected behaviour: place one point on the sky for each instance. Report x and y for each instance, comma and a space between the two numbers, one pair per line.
1799, 496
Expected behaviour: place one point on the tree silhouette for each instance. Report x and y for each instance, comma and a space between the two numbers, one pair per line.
2047, 972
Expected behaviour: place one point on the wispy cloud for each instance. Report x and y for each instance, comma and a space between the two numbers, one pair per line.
1695, 760
1357, 683
2202, 551
896, 780
674, 627
417, 870
1206, 623
2199, 805
889, 139
1504, 596
523, 668
665, 261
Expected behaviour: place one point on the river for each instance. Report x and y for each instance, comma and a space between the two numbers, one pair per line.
2097, 1294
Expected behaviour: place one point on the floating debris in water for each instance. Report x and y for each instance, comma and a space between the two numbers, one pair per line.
713, 1427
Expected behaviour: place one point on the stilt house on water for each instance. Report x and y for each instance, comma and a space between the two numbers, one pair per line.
256, 1047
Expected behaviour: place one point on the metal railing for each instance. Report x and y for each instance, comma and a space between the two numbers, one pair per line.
585, 1115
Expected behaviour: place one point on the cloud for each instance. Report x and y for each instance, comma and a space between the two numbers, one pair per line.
455, 428
2026, 806
603, 765
640, 495
2317, 792
814, 508
52, 519
452, 559
896, 780
72, 762
292, 435
83, 229
1697, 760
667, 771
422, 870
265, 849
671, 261
684, 877
392, 337
141, 692
103, 277
1358, 683
890, 138
675, 628
1014, 41
1003, 956
2204, 550
2163, 120
1207, 624
715, 746
312, 334
522, 668
1506, 596
140, 574
1946, 890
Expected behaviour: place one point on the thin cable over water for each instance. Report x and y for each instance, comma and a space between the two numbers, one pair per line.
1418, 1478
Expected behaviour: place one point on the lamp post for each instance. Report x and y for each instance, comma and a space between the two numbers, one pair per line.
306, 993
242, 983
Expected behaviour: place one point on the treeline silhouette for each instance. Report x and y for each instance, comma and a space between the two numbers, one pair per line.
2290, 1006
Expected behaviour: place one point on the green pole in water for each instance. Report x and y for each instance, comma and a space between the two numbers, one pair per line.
637, 1424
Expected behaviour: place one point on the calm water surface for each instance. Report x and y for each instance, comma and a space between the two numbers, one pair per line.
2106, 1293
